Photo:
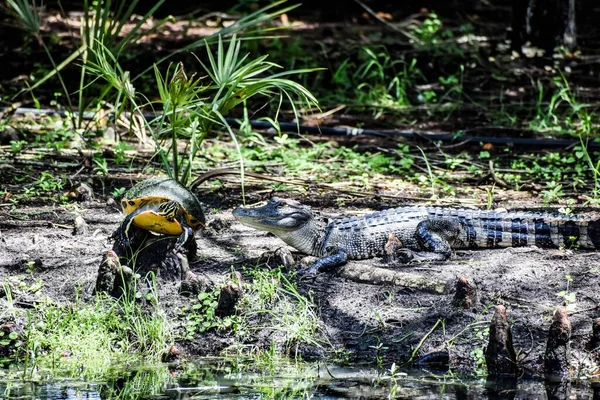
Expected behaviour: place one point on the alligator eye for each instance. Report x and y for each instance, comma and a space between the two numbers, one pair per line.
124, 204
131, 203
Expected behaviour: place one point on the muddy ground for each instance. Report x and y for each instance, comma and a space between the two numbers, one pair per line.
366, 311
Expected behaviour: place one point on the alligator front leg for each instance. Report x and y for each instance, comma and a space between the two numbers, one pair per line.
436, 236
336, 259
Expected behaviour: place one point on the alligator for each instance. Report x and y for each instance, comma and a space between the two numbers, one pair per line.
425, 233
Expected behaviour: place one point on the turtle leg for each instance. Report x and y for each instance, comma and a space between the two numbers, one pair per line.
124, 232
186, 236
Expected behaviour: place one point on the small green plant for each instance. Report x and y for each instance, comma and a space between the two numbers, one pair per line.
481, 336
553, 192
200, 316
117, 193
101, 167
395, 375
429, 32
563, 113
378, 356
17, 145
569, 297
48, 182
480, 367
120, 155
432, 35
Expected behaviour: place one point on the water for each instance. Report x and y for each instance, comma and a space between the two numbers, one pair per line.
213, 379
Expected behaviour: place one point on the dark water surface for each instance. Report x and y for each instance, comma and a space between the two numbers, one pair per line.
221, 380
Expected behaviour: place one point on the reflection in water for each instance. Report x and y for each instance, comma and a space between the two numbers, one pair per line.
501, 388
220, 380
55, 391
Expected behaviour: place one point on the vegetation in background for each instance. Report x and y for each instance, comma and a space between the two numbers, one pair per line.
437, 79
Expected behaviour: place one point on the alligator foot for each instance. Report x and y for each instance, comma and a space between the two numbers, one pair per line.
400, 257
336, 258
308, 273
394, 252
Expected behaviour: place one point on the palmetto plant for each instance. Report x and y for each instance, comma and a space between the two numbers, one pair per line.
191, 107
106, 28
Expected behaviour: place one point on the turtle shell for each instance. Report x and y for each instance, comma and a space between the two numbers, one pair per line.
151, 192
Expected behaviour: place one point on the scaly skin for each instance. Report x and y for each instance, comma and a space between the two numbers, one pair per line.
434, 230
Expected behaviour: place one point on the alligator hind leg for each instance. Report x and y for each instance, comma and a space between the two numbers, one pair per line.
437, 236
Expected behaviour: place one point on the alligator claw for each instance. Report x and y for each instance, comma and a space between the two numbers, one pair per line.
400, 256
306, 273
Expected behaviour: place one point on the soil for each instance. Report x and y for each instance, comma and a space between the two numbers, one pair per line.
367, 308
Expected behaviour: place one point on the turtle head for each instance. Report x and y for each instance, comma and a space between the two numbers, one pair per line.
168, 209
277, 216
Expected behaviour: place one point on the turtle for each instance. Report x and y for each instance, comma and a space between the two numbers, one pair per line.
161, 205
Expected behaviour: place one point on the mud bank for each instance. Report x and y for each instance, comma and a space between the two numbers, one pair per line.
369, 311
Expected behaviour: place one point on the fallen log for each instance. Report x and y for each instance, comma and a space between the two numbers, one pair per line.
381, 276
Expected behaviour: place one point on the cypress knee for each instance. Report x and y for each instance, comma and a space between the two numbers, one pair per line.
229, 296
500, 356
466, 294
594, 343
558, 348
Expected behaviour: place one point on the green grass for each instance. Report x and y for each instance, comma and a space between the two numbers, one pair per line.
272, 304
86, 340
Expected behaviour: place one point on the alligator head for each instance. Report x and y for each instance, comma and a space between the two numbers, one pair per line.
289, 220
276, 216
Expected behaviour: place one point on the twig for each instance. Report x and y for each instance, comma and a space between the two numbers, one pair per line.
498, 181
383, 21
412, 356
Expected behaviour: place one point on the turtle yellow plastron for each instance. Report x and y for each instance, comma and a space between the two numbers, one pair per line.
161, 205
